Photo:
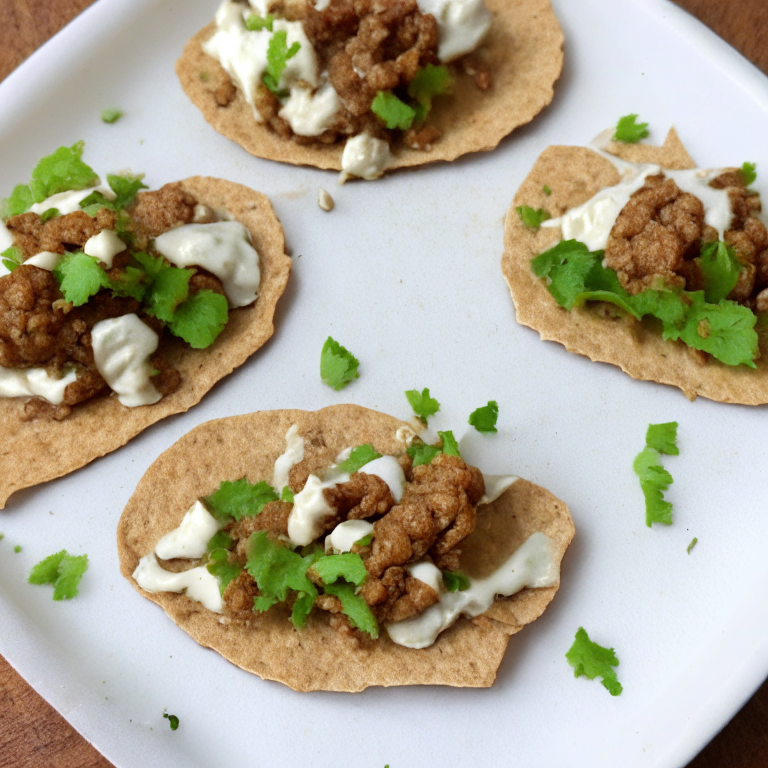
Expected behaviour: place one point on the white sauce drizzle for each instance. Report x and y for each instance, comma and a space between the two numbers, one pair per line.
364, 156
294, 453
121, 350
221, 247
198, 583
462, 24
429, 573
495, 485
104, 246
389, 470
532, 565
27, 382
69, 201
45, 260
345, 534
190, 539
309, 114
310, 510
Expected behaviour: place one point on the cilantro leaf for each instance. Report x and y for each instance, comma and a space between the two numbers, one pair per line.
338, 366
430, 81
111, 115
566, 267
347, 566
654, 480
49, 214
238, 499
359, 457
125, 188
286, 495
421, 453
450, 446
62, 570
720, 269
483, 419
455, 581
80, 277
278, 54
423, 405
168, 290
130, 282
254, 23
693, 543
354, 607
12, 257
592, 660
663, 438
173, 721
394, 112
200, 319
365, 541
219, 566
748, 173
61, 171
277, 569
532, 218
547, 190
629, 130
21, 200
219, 540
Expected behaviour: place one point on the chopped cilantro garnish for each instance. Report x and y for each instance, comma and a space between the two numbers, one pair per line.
592, 660
278, 54
255, 23
354, 607
450, 446
365, 541
200, 319
239, 498
111, 115
12, 257
286, 495
277, 569
125, 188
720, 269
130, 281
693, 543
219, 540
394, 112
21, 200
17, 549
654, 479
169, 289
359, 457
347, 566
173, 721
49, 214
338, 366
430, 81
455, 581
80, 277
532, 217
629, 130
484, 419
547, 190
421, 453
220, 567
62, 570
748, 172
423, 405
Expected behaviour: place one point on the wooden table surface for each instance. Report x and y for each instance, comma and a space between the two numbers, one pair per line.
32, 733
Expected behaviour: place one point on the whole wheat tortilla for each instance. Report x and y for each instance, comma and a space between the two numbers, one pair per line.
318, 657
35, 451
524, 52
575, 174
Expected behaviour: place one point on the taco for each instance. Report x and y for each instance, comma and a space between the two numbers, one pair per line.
647, 263
320, 550
120, 307
368, 86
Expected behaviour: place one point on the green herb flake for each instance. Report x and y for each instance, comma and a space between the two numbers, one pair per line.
694, 542
62, 570
12, 257
720, 269
254, 23
125, 187
21, 200
278, 569
111, 115
80, 277
278, 54
17, 549
338, 366
173, 721
168, 290
239, 498
663, 438
629, 130
455, 581
748, 173
365, 541
347, 566
547, 190
359, 457
354, 607
219, 566
421, 453
654, 479
484, 419
430, 81
219, 540
532, 218
394, 112
286, 495
423, 405
450, 446
49, 214
592, 660
200, 319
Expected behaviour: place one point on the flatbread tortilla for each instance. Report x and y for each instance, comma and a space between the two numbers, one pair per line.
35, 451
524, 51
575, 174
318, 657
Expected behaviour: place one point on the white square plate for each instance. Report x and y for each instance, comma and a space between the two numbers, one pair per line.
405, 273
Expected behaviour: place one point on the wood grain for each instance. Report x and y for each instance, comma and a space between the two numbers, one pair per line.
32, 733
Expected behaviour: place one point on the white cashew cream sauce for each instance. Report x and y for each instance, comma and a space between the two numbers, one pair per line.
69, 201
532, 565
364, 156
345, 534
591, 222
26, 382
104, 246
45, 260
197, 583
221, 247
121, 350
191, 538
462, 24
294, 453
